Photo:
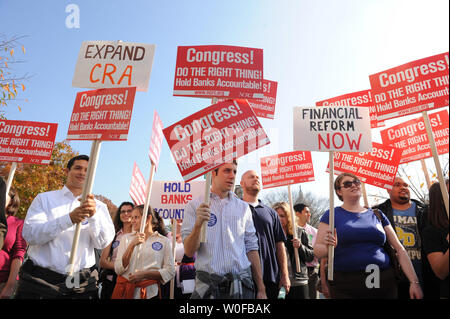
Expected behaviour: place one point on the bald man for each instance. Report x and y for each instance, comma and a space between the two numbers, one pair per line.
270, 235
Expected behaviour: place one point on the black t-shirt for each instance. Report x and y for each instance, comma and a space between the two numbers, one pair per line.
435, 240
269, 232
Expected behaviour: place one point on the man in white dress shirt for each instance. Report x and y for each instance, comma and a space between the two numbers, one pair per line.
227, 264
49, 229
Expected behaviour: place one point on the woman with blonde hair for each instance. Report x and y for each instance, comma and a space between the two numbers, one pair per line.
361, 264
155, 265
299, 280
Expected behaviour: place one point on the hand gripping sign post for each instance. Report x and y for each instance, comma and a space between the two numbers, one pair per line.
288, 169
98, 115
154, 153
213, 136
329, 129
218, 71
25, 142
119, 69
169, 199
418, 86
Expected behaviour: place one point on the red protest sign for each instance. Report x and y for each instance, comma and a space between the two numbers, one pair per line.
138, 186
219, 71
156, 140
27, 142
215, 135
287, 169
265, 107
103, 114
360, 98
377, 168
412, 87
412, 138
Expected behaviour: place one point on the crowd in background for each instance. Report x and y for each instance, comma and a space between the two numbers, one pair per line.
251, 250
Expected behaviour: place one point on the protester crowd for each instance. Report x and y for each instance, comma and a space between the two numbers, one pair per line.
250, 250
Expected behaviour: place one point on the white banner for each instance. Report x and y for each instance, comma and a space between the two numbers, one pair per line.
170, 198
112, 64
327, 129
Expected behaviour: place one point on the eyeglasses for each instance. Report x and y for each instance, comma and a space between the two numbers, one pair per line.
348, 184
399, 185
126, 211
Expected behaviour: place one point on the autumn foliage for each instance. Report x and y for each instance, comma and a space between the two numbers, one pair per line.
30, 179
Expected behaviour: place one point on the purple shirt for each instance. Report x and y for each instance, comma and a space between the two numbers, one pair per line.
14, 247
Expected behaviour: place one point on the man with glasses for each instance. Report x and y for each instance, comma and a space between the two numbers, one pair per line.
408, 217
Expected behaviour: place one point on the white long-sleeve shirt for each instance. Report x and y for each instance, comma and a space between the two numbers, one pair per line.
49, 231
156, 254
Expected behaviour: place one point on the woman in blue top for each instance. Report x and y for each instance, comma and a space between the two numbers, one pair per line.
361, 265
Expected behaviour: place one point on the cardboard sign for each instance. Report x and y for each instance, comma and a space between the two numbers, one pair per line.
412, 138
219, 71
138, 186
213, 136
170, 198
266, 106
156, 140
377, 168
287, 169
113, 64
27, 142
412, 87
332, 129
103, 114
361, 98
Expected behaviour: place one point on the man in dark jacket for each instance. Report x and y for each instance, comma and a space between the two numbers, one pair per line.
408, 217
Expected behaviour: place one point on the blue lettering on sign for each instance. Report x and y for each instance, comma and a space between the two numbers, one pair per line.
157, 246
177, 213
177, 187
212, 220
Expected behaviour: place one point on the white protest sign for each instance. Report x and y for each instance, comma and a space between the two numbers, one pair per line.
112, 64
170, 198
327, 129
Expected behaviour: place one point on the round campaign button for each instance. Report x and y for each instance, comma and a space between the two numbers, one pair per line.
115, 244
157, 246
212, 220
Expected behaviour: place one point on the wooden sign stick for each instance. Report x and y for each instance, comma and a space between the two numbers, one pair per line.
87, 189
436, 159
294, 229
331, 219
12, 171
